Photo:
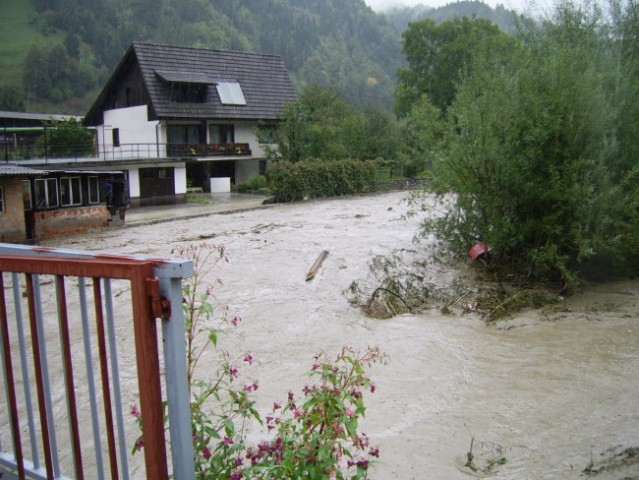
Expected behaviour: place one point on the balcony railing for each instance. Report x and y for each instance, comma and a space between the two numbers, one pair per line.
125, 151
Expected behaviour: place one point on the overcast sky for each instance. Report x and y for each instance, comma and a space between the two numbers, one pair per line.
520, 5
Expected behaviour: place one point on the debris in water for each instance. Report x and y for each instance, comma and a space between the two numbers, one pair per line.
316, 266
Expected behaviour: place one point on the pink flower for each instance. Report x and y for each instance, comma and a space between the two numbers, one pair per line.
134, 411
227, 441
139, 444
206, 453
276, 406
235, 320
372, 388
233, 371
349, 412
248, 359
251, 388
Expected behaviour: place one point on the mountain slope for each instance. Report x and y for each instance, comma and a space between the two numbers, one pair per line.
60, 52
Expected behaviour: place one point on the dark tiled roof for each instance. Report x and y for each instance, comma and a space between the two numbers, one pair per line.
263, 78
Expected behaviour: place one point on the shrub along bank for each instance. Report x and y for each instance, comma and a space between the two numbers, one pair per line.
289, 182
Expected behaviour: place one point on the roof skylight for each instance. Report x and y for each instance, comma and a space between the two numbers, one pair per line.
230, 93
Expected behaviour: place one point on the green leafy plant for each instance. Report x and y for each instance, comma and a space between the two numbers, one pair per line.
317, 435
315, 438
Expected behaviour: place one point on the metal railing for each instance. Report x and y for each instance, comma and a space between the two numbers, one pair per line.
76, 153
64, 302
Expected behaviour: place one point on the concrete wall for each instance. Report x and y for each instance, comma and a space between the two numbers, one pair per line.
69, 221
12, 227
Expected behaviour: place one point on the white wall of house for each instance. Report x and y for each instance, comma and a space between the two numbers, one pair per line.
245, 133
138, 136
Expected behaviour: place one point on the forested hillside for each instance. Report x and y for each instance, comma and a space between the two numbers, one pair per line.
56, 54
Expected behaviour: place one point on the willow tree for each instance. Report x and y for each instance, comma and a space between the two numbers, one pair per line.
531, 157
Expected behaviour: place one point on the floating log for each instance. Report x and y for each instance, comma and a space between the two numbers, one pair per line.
317, 265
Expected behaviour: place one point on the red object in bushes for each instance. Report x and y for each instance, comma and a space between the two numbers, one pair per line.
478, 250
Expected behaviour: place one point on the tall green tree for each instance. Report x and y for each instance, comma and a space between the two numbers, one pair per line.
436, 55
530, 156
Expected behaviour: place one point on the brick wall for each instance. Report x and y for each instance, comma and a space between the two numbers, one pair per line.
12, 227
69, 221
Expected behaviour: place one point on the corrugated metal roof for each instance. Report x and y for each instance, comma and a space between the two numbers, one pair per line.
38, 116
11, 170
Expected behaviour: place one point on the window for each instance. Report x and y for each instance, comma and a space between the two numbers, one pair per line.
186, 134
182, 92
26, 195
1, 199
46, 193
222, 134
94, 190
230, 93
116, 137
70, 191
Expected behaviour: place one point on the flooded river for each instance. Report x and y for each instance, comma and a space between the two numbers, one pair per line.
544, 395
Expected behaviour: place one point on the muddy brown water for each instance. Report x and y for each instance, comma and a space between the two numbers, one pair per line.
539, 396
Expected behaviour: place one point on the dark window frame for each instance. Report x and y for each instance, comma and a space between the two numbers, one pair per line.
70, 187
93, 190
115, 133
46, 201
185, 92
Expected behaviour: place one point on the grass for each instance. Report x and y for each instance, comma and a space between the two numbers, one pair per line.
18, 31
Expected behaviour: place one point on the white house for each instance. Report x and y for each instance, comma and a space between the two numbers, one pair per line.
175, 118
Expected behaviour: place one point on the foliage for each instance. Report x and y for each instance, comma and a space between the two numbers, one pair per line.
66, 138
12, 100
255, 183
401, 17
291, 182
51, 73
316, 439
324, 126
436, 55
343, 44
530, 156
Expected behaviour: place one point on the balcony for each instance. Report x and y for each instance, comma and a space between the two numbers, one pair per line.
125, 151
208, 150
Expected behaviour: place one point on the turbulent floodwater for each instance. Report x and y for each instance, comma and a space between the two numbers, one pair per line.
549, 391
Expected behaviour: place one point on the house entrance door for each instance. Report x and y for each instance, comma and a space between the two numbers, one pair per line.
157, 186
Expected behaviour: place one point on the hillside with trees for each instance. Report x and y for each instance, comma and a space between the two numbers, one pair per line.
55, 55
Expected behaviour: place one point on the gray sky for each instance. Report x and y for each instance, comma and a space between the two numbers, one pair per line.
520, 5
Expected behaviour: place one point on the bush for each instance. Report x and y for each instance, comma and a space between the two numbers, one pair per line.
291, 182
529, 158
255, 183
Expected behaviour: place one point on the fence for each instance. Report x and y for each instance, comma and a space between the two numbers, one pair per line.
64, 303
